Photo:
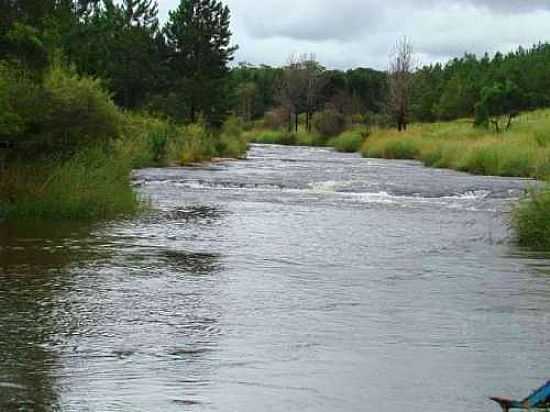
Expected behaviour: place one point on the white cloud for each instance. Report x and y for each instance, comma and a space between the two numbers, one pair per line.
350, 33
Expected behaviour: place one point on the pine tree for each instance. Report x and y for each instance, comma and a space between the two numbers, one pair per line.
118, 42
141, 13
199, 37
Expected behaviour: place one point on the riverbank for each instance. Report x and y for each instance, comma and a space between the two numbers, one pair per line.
72, 159
94, 183
523, 151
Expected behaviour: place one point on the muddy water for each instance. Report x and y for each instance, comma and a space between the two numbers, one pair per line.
298, 280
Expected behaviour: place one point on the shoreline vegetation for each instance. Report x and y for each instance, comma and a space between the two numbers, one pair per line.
86, 176
91, 90
523, 152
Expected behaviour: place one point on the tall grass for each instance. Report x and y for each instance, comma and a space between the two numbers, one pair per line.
94, 184
154, 142
350, 141
283, 137
532, 221
522, 152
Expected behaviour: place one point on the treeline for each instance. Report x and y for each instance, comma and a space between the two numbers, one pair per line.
304, 85
451, 91
91, 89
179, 68
486, 88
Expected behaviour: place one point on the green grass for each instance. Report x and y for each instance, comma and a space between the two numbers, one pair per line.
522, 152
532, 221
283, 137
350, 141
271, 137
93, 184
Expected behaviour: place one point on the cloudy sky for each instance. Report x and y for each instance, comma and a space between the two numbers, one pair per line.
351, 33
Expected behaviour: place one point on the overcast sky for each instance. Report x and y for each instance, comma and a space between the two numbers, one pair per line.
351, 33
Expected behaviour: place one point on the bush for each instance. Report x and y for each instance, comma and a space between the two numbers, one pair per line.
146, 140
21, 104
271, 136
11, 122
232, 141
350, 141
532, 221
329, 123
79, 111
195, 144
64, 113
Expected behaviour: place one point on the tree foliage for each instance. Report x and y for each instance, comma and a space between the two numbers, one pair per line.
199, 41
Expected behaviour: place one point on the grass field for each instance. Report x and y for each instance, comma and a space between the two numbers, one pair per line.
524, 151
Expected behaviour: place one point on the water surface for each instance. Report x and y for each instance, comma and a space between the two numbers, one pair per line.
298, 280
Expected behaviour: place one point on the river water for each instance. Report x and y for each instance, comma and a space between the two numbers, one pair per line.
297, 280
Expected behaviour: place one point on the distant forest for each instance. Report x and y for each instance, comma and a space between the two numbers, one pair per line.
163, 69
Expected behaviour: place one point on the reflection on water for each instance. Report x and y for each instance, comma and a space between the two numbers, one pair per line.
299, 280
32, 258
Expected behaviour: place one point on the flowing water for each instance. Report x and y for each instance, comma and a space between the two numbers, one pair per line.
297, 280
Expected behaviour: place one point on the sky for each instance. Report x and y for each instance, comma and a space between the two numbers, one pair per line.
344, 34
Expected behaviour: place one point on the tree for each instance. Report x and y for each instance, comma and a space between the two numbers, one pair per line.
119, 42
498, 106
29, 29
299, 88
400, 75
290, 89
199, 39
141, 13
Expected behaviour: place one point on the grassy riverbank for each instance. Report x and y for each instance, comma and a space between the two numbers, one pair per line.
524, 151
94, 183
73, 150
349, 141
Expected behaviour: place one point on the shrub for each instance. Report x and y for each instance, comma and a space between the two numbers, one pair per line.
532, 221
79, 111
232, 141
194, 144
146, 139
329, 123
63, 114
350, 141
21, 105
11, 122
269, 136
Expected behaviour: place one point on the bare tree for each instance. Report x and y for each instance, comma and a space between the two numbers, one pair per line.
299, 88
402, 64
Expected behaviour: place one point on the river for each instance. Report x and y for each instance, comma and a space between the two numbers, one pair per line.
298, 280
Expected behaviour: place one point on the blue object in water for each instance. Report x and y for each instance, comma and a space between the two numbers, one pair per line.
539, 399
